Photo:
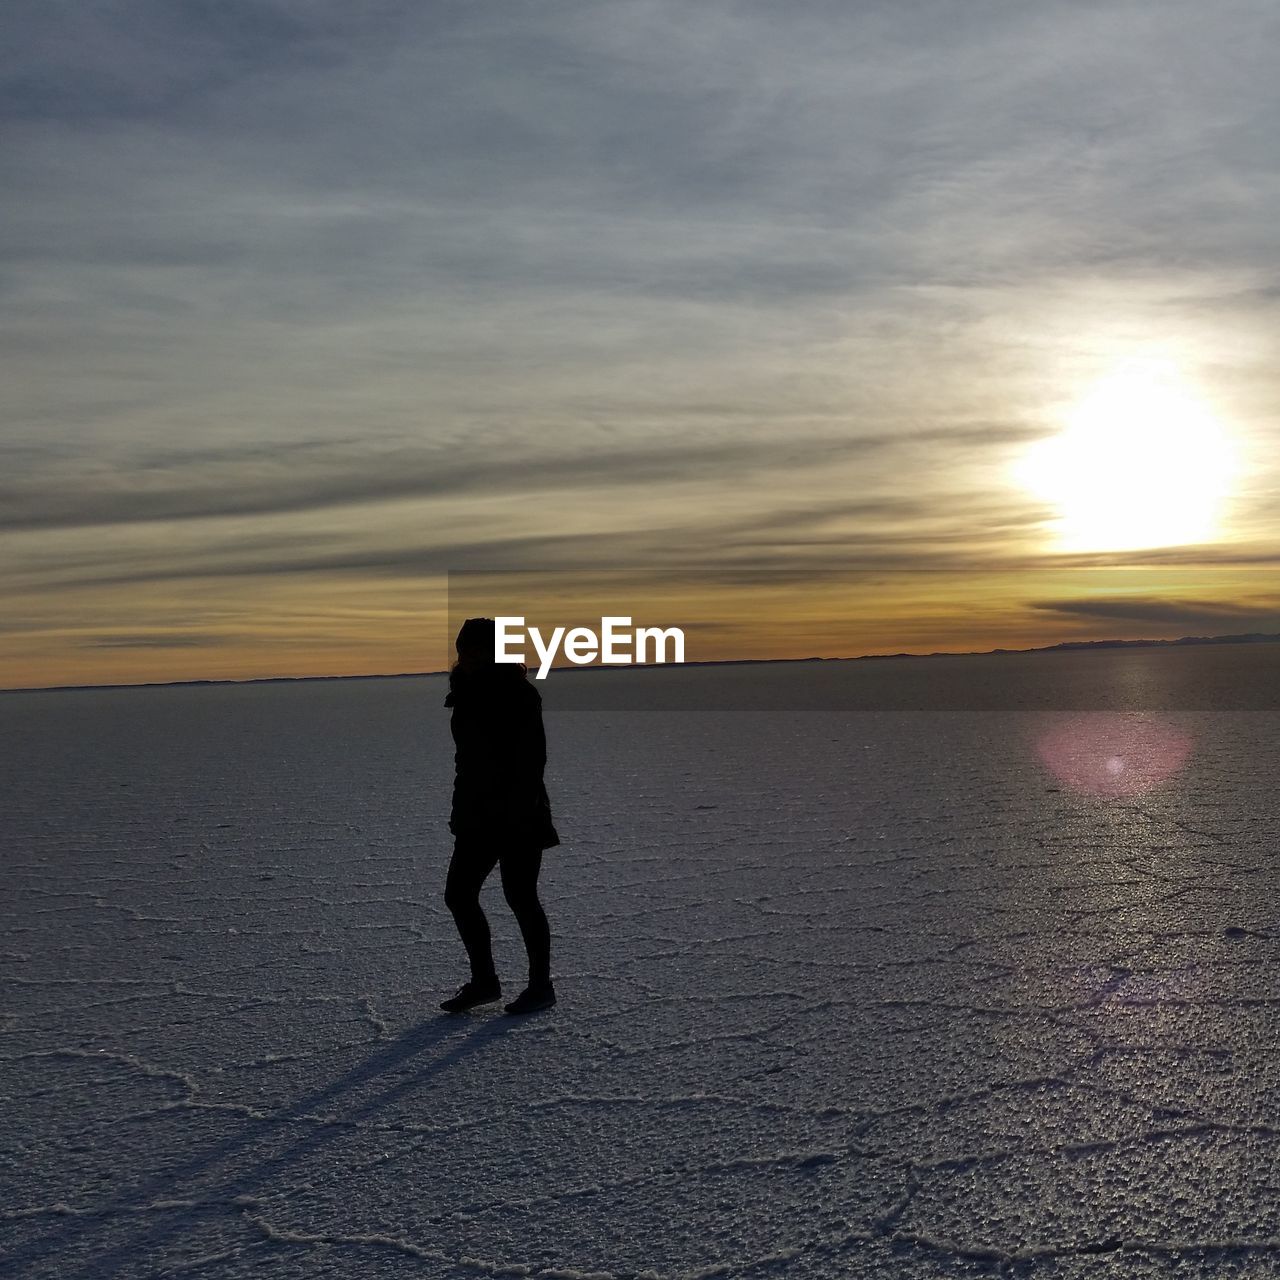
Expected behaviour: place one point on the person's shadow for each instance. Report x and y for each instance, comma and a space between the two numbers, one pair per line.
469, 1036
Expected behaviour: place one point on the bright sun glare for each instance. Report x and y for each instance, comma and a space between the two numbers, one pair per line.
1140, 463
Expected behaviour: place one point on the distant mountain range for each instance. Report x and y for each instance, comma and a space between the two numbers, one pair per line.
1251, 637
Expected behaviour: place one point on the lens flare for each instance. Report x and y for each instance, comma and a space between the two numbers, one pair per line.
1113, 753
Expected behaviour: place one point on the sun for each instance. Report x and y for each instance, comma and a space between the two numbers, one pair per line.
1140, 463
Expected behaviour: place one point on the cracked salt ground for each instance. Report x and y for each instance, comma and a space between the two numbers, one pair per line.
863, 994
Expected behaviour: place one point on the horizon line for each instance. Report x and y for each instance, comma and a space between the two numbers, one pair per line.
1249, 637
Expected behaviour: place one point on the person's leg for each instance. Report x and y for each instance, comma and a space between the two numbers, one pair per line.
520, 886
468, 867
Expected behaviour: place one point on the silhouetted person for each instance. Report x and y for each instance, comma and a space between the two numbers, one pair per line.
500, 816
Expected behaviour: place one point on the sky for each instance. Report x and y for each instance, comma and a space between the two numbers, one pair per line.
304, 306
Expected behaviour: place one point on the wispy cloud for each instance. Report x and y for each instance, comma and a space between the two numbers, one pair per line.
156, 640
301, 476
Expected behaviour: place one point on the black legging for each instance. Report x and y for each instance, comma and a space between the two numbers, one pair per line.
468, 868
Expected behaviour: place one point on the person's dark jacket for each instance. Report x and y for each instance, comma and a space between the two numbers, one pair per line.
498, 788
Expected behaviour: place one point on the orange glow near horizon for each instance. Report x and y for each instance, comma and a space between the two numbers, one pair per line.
337, 627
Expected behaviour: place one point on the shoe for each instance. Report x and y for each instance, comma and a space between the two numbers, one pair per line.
471, 994
531, 999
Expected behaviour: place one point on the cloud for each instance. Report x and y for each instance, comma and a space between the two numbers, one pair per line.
800, 543
1254, 616
157, 640
299, 476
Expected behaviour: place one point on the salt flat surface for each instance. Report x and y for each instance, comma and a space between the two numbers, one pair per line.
842, 994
